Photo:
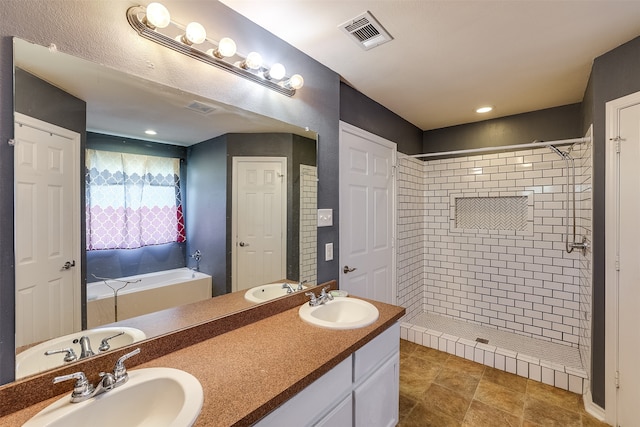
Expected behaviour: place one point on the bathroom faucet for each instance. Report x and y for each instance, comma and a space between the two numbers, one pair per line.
321, 299
288, 287
300, 285
85, 346
83, 389
197, 255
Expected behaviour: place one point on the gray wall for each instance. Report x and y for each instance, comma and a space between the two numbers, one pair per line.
206, 211
613, 75
548, 124
364, 113
97, 30
209, 197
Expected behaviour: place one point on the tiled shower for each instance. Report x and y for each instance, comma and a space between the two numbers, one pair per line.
481, 253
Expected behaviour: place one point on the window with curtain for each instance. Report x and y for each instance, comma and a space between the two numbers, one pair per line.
132, 200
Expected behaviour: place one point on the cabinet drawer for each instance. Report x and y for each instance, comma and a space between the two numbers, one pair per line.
314, 401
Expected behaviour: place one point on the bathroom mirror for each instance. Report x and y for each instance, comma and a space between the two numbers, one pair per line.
210, 139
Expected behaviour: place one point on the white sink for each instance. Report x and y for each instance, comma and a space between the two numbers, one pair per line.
151, 397
33, 360
268, 292
341, 313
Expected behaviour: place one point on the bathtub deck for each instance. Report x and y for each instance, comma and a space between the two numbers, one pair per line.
539, 360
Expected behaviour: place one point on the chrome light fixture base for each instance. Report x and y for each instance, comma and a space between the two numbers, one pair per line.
136, 18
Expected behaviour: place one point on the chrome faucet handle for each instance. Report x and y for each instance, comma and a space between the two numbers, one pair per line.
314, 300
82, 390
104, 345
70, 355
325, 294
300, 287
120, 371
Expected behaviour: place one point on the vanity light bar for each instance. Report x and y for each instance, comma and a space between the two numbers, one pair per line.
137, 17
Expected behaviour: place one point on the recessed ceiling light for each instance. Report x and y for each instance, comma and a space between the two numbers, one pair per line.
485, 109
150, 132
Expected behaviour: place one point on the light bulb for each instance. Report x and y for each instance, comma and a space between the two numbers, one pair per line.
484, 109
157, 16
226, 47
295, 82
253, 61
195, 33
276, 72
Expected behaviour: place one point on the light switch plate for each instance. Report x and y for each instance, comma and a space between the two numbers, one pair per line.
325, 217
328, 252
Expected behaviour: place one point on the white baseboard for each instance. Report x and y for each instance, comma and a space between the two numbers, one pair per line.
591, 408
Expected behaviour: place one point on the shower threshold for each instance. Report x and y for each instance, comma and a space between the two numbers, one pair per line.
553, 364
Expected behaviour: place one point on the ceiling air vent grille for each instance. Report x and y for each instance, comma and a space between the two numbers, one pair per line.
200, 107
366, 31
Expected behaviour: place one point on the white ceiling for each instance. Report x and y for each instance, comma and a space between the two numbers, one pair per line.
449, 57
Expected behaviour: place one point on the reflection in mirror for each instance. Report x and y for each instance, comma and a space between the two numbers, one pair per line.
113, 224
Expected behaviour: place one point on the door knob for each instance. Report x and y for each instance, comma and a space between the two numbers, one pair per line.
67, 265
346, 269
243, 244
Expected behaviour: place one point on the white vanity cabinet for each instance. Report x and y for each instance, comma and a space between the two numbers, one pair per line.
363, 390
376, 381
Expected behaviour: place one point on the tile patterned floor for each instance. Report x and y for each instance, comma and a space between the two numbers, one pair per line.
442, 390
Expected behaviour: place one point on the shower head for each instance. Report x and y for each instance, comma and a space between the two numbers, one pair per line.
557, 151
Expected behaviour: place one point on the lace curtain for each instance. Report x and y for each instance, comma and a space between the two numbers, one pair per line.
132, 200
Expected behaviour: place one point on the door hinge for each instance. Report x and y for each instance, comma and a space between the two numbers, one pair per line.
617, 264
617, 379
617, 140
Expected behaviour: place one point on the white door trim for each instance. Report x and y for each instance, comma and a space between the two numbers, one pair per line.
348, 128
612, 251
74, 137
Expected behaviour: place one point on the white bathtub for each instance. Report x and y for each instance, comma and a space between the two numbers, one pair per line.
155, 291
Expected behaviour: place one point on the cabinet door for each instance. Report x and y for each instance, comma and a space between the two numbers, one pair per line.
341, 416
376, 401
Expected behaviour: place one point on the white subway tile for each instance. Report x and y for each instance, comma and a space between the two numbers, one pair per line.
478, 355
535, 372
561, 380
548, 376
489, 358
500, 362
576, 384
522, 368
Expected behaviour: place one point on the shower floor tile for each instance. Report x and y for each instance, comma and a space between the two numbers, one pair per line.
539, 349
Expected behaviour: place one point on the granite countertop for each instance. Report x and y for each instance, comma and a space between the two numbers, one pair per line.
249, 371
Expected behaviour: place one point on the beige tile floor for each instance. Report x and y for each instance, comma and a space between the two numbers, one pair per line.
442, 390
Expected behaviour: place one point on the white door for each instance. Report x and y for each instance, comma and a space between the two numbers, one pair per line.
623, 261
259, 224
47, 230
367, 214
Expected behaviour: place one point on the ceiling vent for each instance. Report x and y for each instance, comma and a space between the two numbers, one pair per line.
366, 31
201, 107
